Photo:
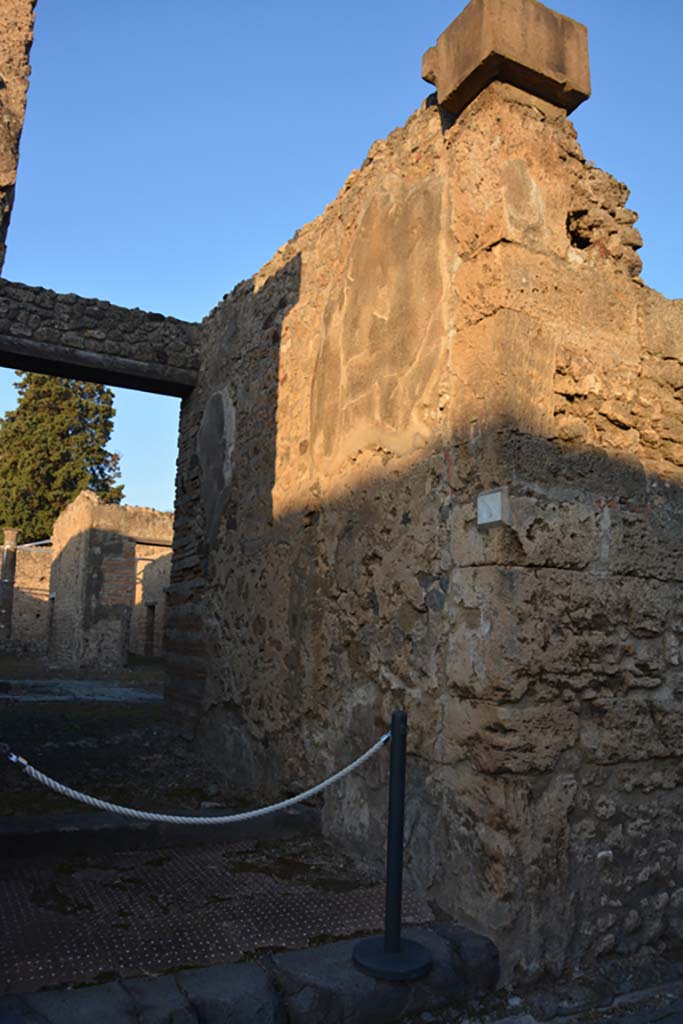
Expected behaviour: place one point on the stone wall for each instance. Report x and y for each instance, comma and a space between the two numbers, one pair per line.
102, 555
31, 605
152, 578
67, 579
93, 340
16, 36
465, 316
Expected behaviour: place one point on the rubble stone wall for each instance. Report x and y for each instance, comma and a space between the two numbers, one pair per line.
91, 339
71, 321
16, 36
465, 316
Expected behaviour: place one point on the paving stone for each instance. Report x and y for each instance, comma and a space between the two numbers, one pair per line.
479, 956
322, 984
159, 1001
521, 1018
238, 993
103, 1004
13, 1010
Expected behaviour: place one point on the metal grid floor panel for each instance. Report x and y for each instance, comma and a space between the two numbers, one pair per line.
149, 912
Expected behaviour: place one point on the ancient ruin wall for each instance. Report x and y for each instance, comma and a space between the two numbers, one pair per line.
30, 606
152, 578
70, 536
94, 578
465, 315
16, 36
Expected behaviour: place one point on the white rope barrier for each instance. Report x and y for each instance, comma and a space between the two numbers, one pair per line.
188, 819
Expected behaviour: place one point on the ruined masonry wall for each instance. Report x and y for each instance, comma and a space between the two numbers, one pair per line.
465, 315
16, 36
152, 578
67, 583
97, 553
30, 610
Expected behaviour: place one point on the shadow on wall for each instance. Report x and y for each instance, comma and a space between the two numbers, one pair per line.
210, 424
25, 591
148, 617
102, 585
539, 659
539, 662
93, 583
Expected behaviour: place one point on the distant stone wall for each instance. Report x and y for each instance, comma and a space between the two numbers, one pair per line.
31, 606
101, 553
16, 36
96, 594
67, 584
466, 316
152, 577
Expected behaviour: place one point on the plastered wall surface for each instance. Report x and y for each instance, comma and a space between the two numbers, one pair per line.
466, 315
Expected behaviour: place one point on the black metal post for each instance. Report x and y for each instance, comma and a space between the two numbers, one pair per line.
390, 956
397, 795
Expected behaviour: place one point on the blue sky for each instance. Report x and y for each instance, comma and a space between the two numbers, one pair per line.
166, 156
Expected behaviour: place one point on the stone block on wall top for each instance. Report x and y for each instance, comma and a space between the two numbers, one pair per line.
517, 41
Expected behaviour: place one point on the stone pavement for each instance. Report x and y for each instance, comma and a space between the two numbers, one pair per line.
226, 930
320, 986
316, 986
241, 931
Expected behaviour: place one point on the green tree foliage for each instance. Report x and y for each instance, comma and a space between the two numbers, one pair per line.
53, 446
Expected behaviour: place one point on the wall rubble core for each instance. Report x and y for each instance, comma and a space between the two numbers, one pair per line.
467, 315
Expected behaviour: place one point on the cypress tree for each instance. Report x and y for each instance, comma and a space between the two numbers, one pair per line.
53, 446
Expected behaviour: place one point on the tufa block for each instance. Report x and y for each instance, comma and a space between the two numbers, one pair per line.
516, 41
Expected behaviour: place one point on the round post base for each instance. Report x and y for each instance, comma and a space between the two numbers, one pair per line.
413, 960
